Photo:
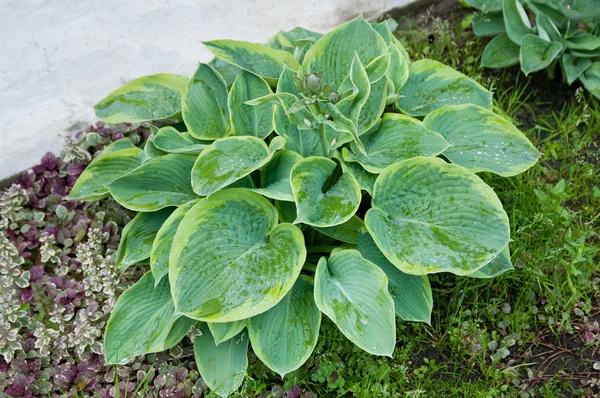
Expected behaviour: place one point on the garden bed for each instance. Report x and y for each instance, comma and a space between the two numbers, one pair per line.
533, 331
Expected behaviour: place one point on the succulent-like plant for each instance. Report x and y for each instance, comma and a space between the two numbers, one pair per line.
539, 34
301, 182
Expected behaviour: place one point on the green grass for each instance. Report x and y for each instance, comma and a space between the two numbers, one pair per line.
520, 334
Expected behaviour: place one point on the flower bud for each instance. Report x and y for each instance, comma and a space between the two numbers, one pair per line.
313, 83
334, 97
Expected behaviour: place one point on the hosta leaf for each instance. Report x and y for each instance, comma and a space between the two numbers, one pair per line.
275, 176
489, 23
204, 104
499, 265
573, 66
547, 25
501, 52
259, 59
226, 330
161, 247
305, 142
574, 9
296, 41
359, 86
377, 68
365, 179
138, 236
144, 320
374, 106
516, 20
151, 151
399, 137
332, 54
228, 71
458, 229
318, 204
228, 160
486, 5
398, 70
247, 119
581, 40
110, 165
154, 97
413, 300
432, 85
346, 232
123, 143
353, 293
591, 79
168, 139
385, 30
338, 128
482, 141
285, 336
230, 259
537, 53
158, 183
222, 367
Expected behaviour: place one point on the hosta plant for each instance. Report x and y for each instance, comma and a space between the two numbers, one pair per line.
539, 34
317, 174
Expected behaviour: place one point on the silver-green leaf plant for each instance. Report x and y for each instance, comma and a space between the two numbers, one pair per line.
543, 35
317, 174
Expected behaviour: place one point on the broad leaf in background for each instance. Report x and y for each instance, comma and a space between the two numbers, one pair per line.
222, 367
226, 330
161, 182
537, 53
516, 21
275, 176
413, 300
353, 293
398, 138
318, 204
591, 79
259, 59
230, 159
143, 321
482, 141
138, 236
169, 140
161, 247
154, 97
346, 232
486, 5
110, 165
489, 24
204, 102
501, 52
247, 119
230, 258
573, 67
459, 228
285, 336
432, 85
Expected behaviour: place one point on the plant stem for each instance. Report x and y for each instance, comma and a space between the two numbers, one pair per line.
324, 144
309, 267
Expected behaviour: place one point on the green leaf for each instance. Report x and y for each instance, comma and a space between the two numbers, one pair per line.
317, 203
150, 150
499, 265
158, 183
413, 300
275, 176
581, 40
204, 102
332, 55
537, 53
154, 97
366, 180
161, 247
489, 23
341, 128
399, 137
168, 139
591, 79
285, 336
385, 30
516, 21
353, 293
398, 70
547, 25
346, 232
226, 330
230, 159
458, 229
486, 5
138, 236
432, 85
296, 41
110, 165
230, 259
574, 9
259, 59
228, 71
247, 119
501, 52
143, 321
482, 141
573, 66
222, 367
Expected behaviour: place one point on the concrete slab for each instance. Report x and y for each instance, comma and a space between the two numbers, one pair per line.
59, 57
